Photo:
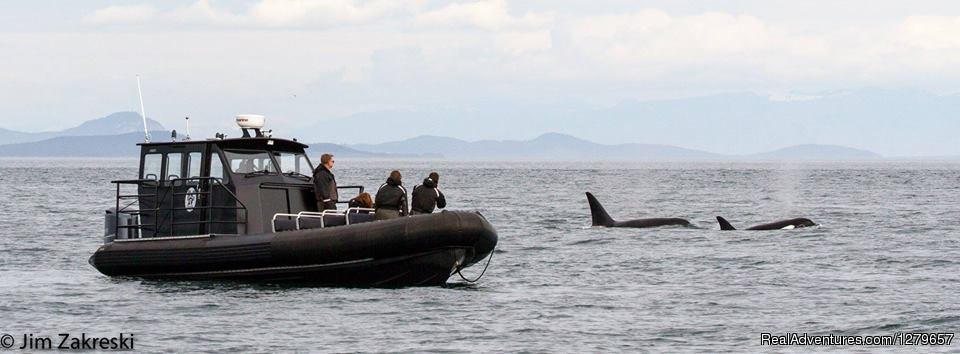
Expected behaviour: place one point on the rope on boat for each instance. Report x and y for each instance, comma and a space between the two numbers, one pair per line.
489, 258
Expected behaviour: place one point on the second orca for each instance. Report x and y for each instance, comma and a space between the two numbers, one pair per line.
776, 225
601, 218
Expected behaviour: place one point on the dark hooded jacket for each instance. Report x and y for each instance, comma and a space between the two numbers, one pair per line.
427, 197
325, 188
392, 196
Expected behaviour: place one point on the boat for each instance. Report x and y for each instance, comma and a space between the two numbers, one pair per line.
244, 209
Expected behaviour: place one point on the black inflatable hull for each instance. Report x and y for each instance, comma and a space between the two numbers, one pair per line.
422, 250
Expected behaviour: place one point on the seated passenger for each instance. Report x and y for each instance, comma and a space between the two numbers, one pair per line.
427, 196
391, 199
363, 200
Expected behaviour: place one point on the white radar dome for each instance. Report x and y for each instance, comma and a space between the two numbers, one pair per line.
254, 121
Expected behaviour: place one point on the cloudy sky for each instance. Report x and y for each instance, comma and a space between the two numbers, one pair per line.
304, 61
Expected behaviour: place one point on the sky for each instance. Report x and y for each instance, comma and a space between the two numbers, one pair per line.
300, 62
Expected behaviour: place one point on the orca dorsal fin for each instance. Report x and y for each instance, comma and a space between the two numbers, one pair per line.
724, 224
599, 215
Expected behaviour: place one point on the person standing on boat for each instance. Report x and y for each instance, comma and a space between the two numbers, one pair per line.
324, 184
427, 196
391, 199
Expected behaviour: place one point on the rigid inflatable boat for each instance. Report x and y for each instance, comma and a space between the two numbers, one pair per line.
244, 209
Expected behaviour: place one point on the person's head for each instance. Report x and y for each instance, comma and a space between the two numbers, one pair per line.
394, 177
364, 200
435, 177
327, 161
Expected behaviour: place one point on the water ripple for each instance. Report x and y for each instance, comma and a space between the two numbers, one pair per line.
884, 259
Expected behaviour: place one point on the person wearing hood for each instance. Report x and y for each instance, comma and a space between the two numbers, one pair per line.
324, 184
427, 196
391, 199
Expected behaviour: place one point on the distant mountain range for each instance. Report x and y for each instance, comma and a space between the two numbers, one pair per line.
551, 146
889, 122
555, 146
121, 145
345, 151
908, 123
113, 124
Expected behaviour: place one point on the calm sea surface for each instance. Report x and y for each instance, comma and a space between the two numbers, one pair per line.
885, 259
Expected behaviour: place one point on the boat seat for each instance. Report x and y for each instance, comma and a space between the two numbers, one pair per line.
313, 222
284, 225
356, 218
328, 221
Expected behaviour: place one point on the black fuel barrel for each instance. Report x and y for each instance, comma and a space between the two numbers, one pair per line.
410, 251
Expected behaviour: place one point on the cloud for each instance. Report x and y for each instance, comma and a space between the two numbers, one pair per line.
522, 42
495, 40
261, 14
654, 37
202, 12
930, 32
300, 12
491, 15
121, 14
730, 49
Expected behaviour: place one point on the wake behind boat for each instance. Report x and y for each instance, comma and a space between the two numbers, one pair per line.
244, 209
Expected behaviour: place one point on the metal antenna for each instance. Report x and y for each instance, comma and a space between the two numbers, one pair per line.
188, 128
143, 114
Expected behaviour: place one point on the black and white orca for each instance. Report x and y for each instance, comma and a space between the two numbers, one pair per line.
777, 225
601, 218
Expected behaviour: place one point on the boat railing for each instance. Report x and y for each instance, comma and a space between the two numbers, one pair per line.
318, 215
359, 210
157, 191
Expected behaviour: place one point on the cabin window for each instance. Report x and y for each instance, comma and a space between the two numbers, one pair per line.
294, 163
151, 166
216, 167
249, 161
174, 168
193, 164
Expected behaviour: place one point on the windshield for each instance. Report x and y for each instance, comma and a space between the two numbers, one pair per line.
151, 166
294, 163
249, 161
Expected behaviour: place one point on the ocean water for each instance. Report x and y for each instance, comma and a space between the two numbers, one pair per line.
885, 259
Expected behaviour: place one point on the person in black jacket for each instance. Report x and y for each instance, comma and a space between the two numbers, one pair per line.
324, 184
391, 199
427, 196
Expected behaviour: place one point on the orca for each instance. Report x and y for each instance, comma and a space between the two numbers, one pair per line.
601, 218
777, 225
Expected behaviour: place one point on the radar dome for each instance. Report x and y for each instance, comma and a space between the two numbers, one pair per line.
254, 121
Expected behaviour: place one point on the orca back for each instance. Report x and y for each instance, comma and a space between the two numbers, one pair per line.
724, 224
785, 224
653, 222
597, 213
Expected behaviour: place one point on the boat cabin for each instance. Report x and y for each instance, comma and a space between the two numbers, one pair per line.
252, 184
